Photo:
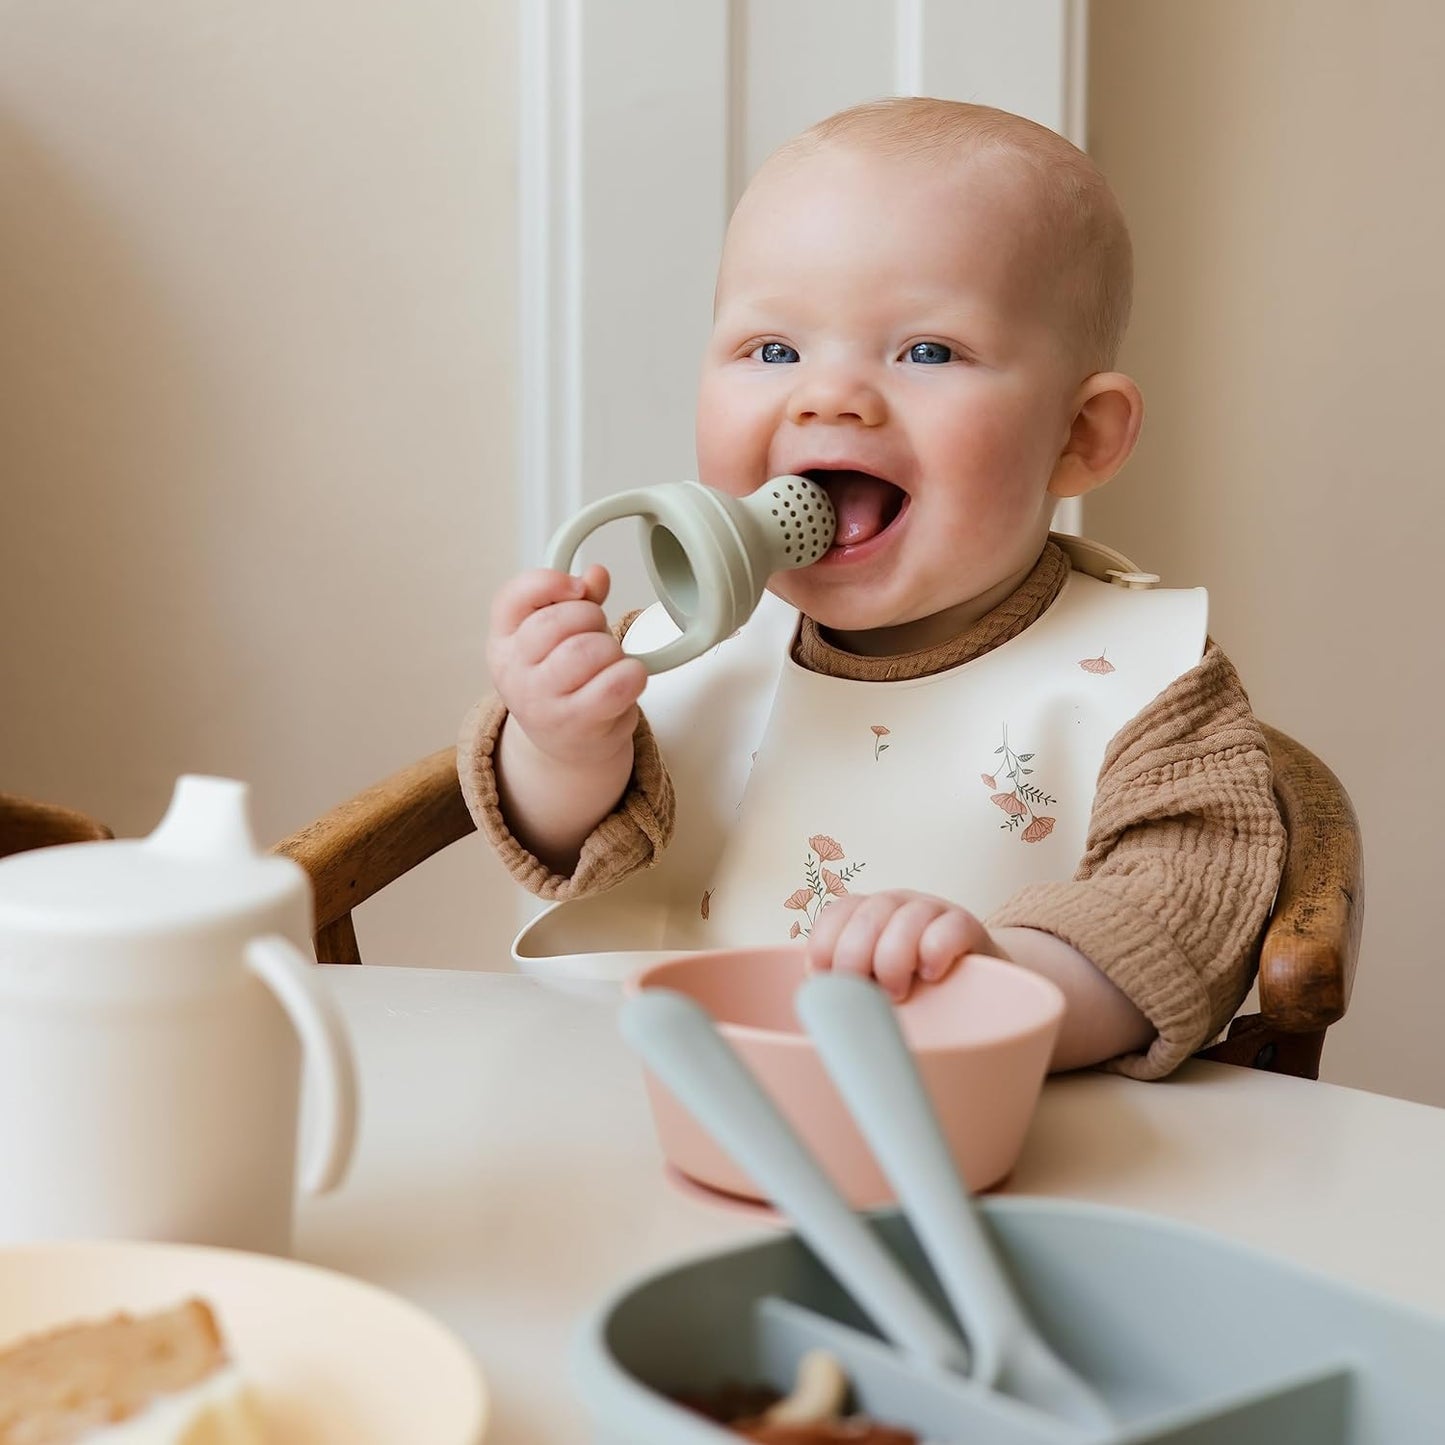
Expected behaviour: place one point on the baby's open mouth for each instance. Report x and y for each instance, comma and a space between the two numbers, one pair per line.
866, 505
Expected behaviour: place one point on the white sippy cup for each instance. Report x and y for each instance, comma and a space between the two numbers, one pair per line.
708, 554
157, 1002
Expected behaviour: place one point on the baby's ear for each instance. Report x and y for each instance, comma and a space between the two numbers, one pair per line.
1108, 412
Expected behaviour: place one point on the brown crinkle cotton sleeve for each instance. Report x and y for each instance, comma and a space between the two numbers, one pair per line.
1184, 855
630, 837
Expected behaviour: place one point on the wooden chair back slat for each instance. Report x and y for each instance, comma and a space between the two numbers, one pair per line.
369, 841
25, 825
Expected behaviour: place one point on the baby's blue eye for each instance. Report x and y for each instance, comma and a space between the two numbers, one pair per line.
776, 352
930, 353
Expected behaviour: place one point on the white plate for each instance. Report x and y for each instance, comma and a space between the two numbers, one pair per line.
333, 1361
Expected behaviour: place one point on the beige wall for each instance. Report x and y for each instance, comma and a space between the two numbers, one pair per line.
1280, 166
257, 349
256, 407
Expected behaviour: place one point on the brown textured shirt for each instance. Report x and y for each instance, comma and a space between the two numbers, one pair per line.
1184, 849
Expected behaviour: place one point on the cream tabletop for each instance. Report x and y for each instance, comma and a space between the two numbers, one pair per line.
507, 1176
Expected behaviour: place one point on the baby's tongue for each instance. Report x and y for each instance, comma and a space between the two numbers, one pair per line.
861, 502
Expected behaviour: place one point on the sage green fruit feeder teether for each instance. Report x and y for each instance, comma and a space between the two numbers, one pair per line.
709, 554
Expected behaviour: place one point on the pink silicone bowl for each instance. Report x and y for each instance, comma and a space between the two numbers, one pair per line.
982, 1039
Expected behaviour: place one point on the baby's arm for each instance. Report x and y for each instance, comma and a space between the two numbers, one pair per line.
1184, 854
1153, 939
565, 753
896, 935
1100, 1021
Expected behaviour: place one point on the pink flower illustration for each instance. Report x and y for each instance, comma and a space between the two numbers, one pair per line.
879, 733
1024, 797
1100, 665
823, 886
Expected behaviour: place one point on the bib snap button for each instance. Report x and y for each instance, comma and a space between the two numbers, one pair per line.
1134, 580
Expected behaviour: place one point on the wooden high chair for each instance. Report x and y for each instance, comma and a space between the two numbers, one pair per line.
370, 840
25, 824
1306, 959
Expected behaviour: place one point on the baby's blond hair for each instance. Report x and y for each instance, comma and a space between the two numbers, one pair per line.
1083, 238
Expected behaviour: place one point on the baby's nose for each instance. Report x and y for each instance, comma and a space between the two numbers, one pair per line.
836, 395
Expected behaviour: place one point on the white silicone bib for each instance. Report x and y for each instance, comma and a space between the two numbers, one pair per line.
794, 788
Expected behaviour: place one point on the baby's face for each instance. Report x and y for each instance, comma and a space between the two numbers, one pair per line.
881, 327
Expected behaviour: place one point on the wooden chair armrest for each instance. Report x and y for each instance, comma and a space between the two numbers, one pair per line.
370, 840
1254, 1044
25, 825
1307, 959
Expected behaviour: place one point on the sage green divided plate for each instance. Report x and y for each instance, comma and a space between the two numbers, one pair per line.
1188, 1337
332, 1361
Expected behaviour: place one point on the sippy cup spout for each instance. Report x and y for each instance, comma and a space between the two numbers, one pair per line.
207, 818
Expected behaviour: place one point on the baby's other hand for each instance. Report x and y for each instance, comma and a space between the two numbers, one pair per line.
565, 679
894, 936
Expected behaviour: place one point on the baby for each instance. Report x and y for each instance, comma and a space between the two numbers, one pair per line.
919, 305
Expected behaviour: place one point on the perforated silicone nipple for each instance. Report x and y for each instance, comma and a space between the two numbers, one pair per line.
799, 517
709, 554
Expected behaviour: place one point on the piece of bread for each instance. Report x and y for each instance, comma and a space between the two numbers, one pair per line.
853, 1430
72, 1383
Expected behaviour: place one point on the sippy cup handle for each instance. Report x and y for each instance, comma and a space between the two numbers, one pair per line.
709, 554
292, 978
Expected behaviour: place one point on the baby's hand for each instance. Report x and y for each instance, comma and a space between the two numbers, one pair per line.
565, 679
895, 935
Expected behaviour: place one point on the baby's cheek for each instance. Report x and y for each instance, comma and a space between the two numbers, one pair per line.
1000, 434
792, 588
730, 451
1009, 462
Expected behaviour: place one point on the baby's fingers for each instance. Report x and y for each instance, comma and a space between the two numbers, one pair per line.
543, 633
947, 939
575, 661
898, 953
854, 943
523, 596
613, 691
825, 932
596, 583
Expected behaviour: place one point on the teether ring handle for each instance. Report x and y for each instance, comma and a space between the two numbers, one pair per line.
709, 554
562, 549
711, 615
